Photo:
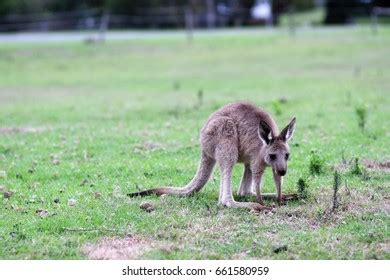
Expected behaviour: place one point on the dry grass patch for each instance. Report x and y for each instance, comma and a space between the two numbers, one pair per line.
382, 166
148, 146
369, 164
117, 248
21, 130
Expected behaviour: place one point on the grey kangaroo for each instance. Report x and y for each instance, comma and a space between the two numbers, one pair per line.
239, 133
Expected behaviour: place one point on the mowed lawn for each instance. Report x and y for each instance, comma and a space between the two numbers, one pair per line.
82, 125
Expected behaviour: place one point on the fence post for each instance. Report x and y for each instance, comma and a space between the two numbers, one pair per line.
210, 13
104, 25
291, 21
189, 22
374, 20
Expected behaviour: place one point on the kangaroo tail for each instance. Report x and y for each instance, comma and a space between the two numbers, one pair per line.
159, 191
201, 177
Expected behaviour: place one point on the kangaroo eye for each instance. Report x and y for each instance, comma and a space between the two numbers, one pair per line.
272, 157
287, 156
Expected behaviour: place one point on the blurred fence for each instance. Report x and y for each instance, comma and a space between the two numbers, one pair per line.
162, 17
77, 20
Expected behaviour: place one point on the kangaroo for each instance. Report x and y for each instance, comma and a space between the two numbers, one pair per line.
239, 133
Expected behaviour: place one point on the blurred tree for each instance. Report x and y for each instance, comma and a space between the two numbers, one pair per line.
21, 6
302, 5
72, 5
344, 11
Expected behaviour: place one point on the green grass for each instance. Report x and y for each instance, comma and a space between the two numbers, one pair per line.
123, 115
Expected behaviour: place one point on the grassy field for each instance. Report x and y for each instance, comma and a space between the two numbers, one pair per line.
81, 125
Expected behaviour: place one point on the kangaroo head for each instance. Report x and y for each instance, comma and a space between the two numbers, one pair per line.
276, 149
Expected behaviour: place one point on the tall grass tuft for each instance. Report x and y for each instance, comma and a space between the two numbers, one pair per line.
303, 188
317, 164
336, 187
361, 113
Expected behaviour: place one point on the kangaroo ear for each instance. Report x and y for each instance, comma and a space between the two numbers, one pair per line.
288, 131
265, 132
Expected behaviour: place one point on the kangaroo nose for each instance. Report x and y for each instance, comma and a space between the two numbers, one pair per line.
282, 172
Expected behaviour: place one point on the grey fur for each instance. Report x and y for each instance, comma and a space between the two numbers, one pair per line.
239, 133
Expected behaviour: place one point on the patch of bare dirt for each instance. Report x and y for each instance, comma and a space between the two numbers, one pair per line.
377, 165
116, 248
369, 164
148, 146
21, 130
319, 212
385, 246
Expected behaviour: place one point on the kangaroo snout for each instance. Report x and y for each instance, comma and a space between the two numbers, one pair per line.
282, 172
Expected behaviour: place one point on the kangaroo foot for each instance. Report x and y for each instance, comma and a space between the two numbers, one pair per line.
248, 205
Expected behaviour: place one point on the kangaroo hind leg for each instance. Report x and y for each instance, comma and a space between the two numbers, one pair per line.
227, 157
246, 182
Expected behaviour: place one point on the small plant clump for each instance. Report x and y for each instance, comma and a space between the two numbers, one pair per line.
366, 175
359, 170
303, 188
200, 97
317, 164
276, 107
361, 113
356, 168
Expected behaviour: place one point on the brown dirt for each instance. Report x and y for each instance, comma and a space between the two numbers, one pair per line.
148, 146
377, 165
116, 248
370, 165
